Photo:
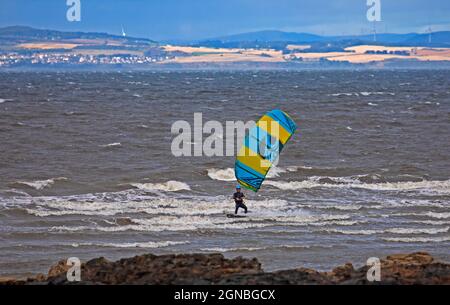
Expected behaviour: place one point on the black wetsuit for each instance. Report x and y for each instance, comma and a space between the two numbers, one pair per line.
239, 202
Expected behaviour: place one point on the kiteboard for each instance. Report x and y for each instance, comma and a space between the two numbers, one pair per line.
235, 216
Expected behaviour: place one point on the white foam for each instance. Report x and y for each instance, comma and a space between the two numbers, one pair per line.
365, 93
275, 172
41, 184
440, 187
431, 222
169, 186
337, 223
149, 244
219, 249
172, 214
353, 232
343, 207
3, 100
438, 215
417, 239
430, 231
418, 230
427, 214
297, 168
227, 174
344, 94
390, 203
251, 249
116, 144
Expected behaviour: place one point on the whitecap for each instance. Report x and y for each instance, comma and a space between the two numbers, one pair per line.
227, 174
169, 186
417, 239
219, 249
418, 230
353, 232
251, 249
148, 244
116, 144
344, 94
3, 100
436, 186
41, 184
365, 93
427, 214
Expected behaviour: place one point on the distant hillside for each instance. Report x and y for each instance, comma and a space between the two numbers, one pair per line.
266, 36
279, 38
29, 34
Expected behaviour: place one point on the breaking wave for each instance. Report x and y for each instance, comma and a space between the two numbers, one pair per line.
426, 214
169, 186
41, 184
222, 174
417, 239
116, 144
251, 249
227, 174
363, 93
430, 231
439, 187
4, 100
148, 244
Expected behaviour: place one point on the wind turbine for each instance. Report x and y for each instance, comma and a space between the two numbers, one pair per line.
374, 32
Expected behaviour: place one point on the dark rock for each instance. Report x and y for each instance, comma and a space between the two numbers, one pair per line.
203, 269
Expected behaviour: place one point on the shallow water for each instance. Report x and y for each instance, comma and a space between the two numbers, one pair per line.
86, 168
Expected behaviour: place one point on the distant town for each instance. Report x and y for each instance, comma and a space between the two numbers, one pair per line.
17, 59
29, 47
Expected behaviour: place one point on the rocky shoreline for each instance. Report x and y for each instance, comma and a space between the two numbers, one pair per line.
198, 269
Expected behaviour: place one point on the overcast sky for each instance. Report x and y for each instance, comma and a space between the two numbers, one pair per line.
196, 19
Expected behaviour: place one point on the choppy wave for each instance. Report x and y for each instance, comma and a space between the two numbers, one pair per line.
251, 249
443, 215
430, 231
177, 214
363, 93
367, 93
417, 230
417, 239
219, 249
431, 222
41, 184
4, 100
405, 203
227, 174
196, 222
169, 186
116, 144
439, 187
353, 232
148, 244
344, 94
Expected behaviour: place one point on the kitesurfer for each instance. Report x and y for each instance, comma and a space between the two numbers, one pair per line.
238, 199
